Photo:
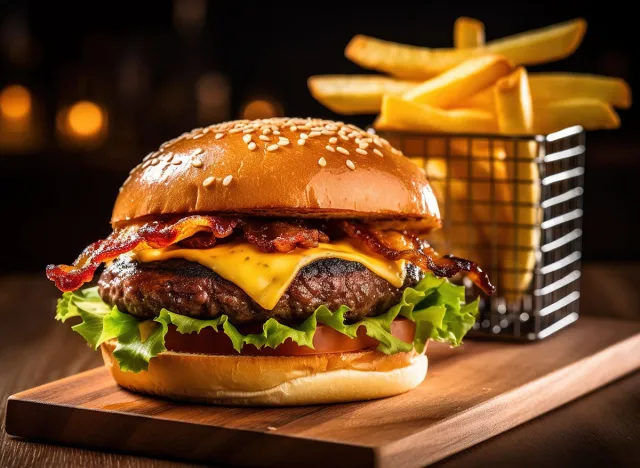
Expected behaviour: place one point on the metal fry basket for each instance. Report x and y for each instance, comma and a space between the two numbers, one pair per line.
514, 205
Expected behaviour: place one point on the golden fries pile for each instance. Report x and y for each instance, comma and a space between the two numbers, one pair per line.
479, 87
454, 90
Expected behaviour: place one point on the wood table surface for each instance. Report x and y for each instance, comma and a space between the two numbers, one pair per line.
600, 429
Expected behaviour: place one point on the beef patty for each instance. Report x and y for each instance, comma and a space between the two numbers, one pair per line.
188, 288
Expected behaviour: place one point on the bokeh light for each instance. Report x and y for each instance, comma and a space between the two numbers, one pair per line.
85, 119
15, 102
263, 108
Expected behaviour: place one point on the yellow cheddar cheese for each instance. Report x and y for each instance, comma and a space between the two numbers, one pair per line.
266, 276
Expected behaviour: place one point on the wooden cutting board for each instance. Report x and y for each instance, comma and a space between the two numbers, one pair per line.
471, 393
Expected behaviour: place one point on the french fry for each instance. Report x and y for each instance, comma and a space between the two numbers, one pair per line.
419, 63
399, 114
355, 94
514, 110
460, 82
484, 100
557, 86
468, 32
591, 114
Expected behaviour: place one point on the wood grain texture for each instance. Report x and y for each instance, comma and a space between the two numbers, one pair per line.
471, 394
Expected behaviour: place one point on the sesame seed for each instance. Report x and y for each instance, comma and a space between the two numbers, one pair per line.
301, 141
322, 162
327, 132
333, 140
377, 142
266, 131
283, 141
304, 136
148, 156
219, 135
264, 138
200, 135
235, 130
361, 151
146, 164
272, 147
344, 137
363, 145
342, 150
196, 162
314, 134
249, 130
252, 146
377, 151
330, 127
227, 180
330, 148
350, 165
197, 151
246, 138
154, 161
209, 181
294, 128
276, 132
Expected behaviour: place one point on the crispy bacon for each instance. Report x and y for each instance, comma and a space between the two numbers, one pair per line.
154, 234
279, 236
412, 249
199, 231
196, 231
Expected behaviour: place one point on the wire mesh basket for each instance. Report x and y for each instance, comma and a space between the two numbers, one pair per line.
514, 205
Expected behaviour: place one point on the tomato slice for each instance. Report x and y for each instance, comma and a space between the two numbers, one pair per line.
325, 340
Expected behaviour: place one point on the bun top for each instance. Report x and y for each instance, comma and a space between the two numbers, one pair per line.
278, 167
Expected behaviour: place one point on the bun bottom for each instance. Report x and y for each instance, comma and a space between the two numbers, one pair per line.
271, 380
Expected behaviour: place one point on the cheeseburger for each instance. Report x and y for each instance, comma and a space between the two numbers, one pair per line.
269, 262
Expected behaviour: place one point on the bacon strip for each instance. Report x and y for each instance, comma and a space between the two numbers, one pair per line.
418, 253
155, 235
281, 236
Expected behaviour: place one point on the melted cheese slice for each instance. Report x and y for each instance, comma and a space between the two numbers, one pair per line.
266, 276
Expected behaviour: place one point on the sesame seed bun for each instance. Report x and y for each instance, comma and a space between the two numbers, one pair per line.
283, 167
273, 381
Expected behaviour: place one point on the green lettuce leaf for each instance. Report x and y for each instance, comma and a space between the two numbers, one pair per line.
436, 306
133, 351
273, 333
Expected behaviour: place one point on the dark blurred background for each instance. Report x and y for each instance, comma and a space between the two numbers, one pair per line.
88, 89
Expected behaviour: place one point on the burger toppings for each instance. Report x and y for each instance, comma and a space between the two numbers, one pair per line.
199, 231
435, 306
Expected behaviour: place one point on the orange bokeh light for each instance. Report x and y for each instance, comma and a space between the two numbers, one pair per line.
261, 109
85, 119
15, 102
